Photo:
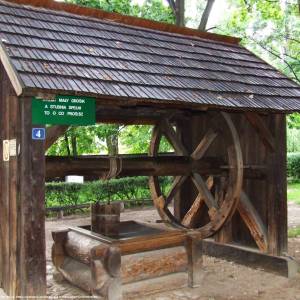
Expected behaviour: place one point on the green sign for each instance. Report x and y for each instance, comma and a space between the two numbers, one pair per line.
64, 110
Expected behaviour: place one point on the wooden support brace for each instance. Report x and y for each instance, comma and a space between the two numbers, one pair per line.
253, 221
262, 130
53, 133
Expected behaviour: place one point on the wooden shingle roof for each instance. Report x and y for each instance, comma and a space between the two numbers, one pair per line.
50, 50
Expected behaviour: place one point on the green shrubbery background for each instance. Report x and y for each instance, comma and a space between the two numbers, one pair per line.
126, 189
293, 166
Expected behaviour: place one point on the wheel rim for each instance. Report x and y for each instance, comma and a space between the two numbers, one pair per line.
220, 208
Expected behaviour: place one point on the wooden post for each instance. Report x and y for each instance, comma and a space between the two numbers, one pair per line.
194, 254
277, 188
31, 234
4, 194
105, 218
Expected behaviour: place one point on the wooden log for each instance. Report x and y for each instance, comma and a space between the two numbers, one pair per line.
31, 215
251, 257
77, 273
140, 289
152, 264
131, 166
79, 246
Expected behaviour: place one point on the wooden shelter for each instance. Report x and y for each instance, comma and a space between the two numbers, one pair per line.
228, 107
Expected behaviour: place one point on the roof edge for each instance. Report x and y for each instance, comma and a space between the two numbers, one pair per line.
124, 19
13, 76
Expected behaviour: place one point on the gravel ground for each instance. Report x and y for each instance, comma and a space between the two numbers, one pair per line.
221, 279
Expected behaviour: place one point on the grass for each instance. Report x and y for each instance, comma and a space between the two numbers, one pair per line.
293, 192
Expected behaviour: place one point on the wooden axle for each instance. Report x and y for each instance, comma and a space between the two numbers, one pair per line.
167, 165
141, 165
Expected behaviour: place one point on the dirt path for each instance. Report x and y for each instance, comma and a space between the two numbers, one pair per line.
221, 279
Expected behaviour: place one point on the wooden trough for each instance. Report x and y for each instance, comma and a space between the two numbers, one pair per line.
139, 261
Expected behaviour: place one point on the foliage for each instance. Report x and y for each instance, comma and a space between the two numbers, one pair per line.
293, 140
293, 165
129, 188
150, 9
293, 232
293, 192
136, 139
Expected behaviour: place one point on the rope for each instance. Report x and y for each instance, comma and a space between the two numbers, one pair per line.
115, 168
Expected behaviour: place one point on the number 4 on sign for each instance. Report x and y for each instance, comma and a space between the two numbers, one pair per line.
38, 133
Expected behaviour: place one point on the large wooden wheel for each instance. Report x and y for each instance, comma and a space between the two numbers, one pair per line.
218, 193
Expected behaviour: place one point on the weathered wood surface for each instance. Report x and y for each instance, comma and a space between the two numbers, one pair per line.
251, 257
4, 195
253, 221
131, 165
195, 261
31, 216
105, 218
151, 264
140, 289
277, 188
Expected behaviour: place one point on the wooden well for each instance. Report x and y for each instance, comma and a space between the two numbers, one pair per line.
139, 261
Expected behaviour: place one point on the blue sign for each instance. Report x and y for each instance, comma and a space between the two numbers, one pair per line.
38, 133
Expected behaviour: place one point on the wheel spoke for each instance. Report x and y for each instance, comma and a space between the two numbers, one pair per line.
204, 191
173, 138
192, 214
206, 141
177, 183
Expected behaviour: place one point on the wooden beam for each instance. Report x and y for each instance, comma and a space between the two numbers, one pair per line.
261, 129
53, 133
136, 115
15, 80
280, 265
253, 221
130, 165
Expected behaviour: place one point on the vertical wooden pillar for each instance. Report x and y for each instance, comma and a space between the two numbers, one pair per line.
31, 234
277, 188
4, 195
195, 261
185, 197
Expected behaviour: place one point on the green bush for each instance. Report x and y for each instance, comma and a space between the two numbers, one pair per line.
293, 165
127, 189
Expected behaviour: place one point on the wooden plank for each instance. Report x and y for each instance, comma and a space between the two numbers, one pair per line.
195, 261
15, 80
280, 265
253, 222
53, 133
14, 137
261, 129
4, 195
32, 260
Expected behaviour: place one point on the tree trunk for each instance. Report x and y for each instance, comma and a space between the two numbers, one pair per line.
67, 144
112, 145
179, 13
205, 15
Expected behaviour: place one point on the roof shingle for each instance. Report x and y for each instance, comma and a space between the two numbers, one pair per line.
52, 50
